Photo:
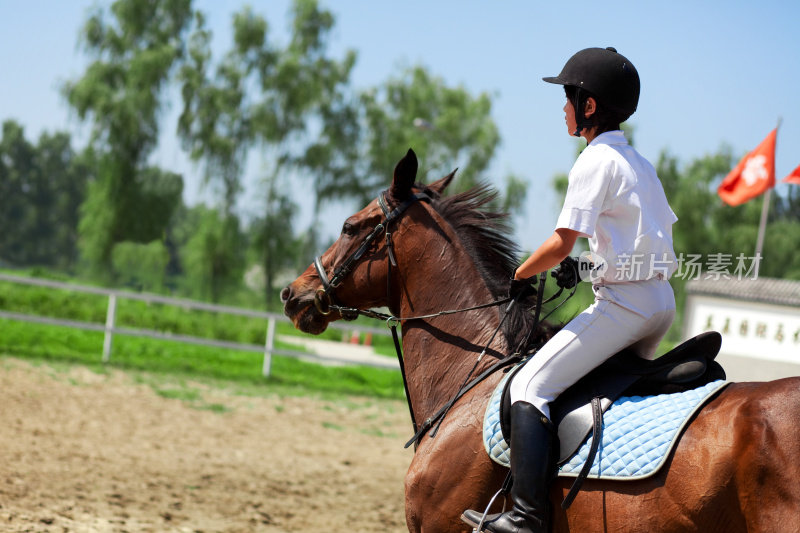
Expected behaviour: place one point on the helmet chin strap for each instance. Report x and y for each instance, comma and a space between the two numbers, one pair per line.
581, 122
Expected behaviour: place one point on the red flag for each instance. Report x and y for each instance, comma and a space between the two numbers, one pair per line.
754, 174
794, 177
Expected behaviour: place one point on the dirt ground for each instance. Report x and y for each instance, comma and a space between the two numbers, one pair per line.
86, 452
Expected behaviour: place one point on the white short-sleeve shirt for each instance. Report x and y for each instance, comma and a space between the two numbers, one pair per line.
615, 198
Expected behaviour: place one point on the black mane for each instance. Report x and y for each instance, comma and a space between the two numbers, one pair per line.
485, 234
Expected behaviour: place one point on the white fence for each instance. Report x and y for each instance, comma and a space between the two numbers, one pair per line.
110, 328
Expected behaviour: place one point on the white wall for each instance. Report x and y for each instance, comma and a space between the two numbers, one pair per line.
759, 341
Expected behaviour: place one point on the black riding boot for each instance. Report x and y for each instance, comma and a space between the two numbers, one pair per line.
532, 467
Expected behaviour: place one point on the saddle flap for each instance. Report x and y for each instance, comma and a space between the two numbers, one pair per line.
572, 410
575, 427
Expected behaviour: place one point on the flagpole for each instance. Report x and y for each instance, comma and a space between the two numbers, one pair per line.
762, 225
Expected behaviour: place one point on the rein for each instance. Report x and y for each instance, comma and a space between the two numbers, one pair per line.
393, 321
325, 304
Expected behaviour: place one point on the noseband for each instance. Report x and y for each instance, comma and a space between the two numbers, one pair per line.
323, 299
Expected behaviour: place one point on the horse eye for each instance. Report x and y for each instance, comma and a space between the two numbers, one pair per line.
347, 229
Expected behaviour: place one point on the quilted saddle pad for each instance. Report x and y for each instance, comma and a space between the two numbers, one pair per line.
638, 433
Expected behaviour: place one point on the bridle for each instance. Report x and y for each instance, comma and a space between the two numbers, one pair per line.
323, 299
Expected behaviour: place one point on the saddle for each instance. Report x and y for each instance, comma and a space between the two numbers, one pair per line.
578, 411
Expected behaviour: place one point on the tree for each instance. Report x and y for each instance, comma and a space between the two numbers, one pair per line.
212, 257
216, 124
693, 198
707, 226
272, 236
300, 102
275, 98
17, 170
141, 266
41, 188
447, 127
134, 50
66, 174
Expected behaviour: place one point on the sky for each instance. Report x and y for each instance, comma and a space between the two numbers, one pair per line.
713, 73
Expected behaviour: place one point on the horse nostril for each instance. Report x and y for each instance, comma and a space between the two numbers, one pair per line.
286, 293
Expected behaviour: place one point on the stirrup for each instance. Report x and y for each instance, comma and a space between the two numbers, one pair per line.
479, 529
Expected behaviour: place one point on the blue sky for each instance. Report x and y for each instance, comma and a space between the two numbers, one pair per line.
713, 73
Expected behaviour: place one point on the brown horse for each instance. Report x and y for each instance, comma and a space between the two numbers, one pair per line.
735, 469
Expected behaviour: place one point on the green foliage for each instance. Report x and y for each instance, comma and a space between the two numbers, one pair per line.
291, 101
781, 253
134, 48
703, 220
264, 95
446, 126
515, 192
272, 236
136, 209
708, 226
141, 266
94, 227
212, 258
41, 187
51, 303
133, 314
215, 124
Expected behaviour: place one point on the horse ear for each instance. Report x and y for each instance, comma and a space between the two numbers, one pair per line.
405, 173
440, 185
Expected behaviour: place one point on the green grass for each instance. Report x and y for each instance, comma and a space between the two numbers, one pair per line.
71, 305
50, 342
185, 361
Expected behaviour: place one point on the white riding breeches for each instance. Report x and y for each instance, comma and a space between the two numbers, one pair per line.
636, 314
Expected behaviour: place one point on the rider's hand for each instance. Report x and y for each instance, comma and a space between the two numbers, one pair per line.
566, 273
522, 288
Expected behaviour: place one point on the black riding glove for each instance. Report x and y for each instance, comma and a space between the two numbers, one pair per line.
566, 273
522, 288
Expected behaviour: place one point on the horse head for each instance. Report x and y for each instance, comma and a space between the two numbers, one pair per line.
355, 270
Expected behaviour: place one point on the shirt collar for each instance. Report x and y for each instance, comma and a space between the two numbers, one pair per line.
610, 137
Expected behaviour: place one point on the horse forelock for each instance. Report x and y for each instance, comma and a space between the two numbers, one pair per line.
486, 236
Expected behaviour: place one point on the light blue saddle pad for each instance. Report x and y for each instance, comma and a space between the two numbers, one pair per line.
638, 433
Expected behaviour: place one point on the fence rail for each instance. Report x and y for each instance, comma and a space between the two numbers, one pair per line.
110, 328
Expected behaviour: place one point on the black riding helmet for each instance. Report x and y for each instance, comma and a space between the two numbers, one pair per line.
605, 74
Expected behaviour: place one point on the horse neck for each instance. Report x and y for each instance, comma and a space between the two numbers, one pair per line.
440, 352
